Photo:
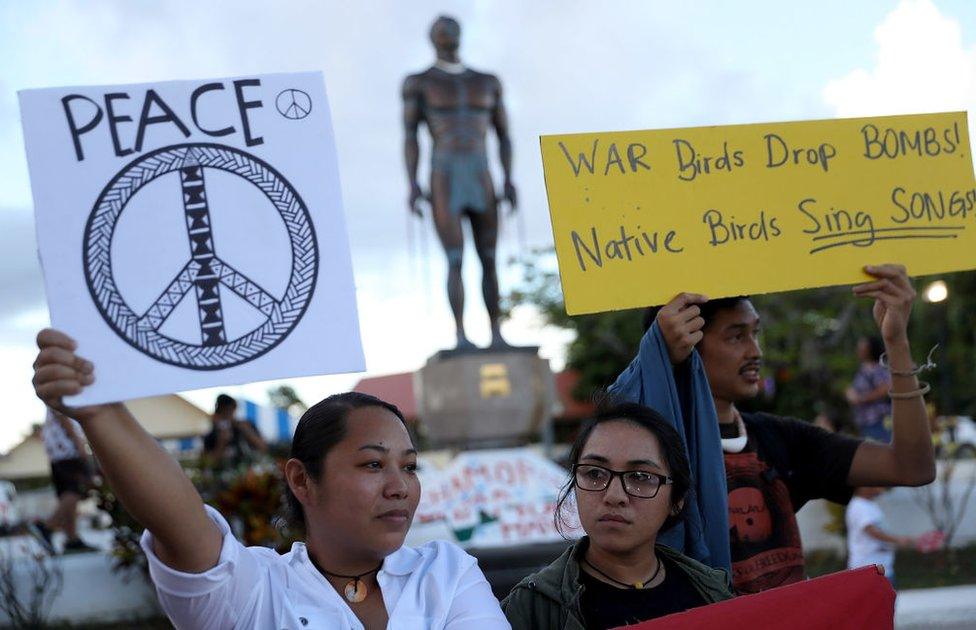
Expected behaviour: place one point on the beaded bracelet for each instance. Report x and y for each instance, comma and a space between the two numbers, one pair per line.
918, 369
923, 389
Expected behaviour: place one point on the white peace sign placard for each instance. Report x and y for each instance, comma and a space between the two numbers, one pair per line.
208, 226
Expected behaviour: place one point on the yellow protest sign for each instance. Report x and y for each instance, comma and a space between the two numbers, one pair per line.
638, 216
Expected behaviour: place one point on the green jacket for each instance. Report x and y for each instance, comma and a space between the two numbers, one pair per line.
550, 599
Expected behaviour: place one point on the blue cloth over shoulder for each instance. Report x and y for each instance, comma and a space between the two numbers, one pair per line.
682, 395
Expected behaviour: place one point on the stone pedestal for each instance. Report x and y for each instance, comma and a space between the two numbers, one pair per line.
484, 398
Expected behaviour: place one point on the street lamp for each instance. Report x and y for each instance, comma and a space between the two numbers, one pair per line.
936, 292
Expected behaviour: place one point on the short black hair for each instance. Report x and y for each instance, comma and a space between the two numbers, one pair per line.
224, 403
319, 429
672, 448
708, 309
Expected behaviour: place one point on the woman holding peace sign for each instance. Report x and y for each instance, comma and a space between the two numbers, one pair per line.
352, 485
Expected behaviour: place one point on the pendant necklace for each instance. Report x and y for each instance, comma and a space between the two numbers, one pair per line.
355, 590
635, 585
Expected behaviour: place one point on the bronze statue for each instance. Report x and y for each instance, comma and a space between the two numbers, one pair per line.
458, 105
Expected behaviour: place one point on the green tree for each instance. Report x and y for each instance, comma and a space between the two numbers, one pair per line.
809, 340
285, 397
604, 343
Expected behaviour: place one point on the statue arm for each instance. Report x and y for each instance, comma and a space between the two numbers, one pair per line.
412, 115
500, 121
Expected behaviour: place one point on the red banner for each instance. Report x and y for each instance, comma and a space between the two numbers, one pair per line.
850, 600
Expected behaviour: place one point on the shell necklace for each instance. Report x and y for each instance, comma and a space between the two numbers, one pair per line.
355, 590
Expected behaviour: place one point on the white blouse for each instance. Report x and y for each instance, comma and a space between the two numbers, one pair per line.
437, 585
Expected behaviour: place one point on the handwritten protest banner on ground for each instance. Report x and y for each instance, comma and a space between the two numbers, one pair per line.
490, 498
191, 232
638, 216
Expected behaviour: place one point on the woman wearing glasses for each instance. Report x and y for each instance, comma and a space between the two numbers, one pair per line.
629, 480
351, 486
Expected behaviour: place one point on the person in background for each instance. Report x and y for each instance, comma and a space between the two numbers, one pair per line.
868, 538
231, 442
629, 482
868, 394
72, 478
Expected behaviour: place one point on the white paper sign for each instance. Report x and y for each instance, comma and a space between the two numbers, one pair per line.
191, 232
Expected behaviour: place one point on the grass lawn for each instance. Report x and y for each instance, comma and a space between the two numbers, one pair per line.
913, 569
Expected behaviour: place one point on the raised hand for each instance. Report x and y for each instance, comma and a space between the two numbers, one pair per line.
893, 296
681, 324
59, 372
147, 481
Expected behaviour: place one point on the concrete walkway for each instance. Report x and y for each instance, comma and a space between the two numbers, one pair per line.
92, 591
950, 607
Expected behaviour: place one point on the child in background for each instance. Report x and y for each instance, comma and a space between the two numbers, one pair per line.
868, 540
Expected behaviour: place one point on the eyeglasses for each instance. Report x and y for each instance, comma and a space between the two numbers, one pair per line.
636, 483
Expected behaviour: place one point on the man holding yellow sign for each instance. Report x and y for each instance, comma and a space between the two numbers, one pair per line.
640, 216
775, 465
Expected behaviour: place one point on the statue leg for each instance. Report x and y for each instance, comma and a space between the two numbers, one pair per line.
449, 232
484, 226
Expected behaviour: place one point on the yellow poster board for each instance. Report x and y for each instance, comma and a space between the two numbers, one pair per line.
639, 216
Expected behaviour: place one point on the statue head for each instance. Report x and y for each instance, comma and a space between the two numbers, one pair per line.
445, 34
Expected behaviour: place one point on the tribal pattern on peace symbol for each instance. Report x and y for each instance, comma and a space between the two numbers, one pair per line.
205, 273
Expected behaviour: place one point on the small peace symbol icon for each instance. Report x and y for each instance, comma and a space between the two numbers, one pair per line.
293, 104
206, 274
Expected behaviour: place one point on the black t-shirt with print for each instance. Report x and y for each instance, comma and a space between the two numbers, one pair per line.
606, 606
813, 462
786, 463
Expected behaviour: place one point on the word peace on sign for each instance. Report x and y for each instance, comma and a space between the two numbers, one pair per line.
204, 273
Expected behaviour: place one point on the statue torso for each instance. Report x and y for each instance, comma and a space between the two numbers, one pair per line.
457, 108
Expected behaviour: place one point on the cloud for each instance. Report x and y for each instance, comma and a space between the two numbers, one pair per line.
20, 275
922, 65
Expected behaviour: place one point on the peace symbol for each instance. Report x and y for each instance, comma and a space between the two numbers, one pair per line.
293, 104
205, 273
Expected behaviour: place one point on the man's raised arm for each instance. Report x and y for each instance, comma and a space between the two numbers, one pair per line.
909, 460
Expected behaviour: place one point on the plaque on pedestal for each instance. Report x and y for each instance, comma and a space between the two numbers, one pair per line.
484, 398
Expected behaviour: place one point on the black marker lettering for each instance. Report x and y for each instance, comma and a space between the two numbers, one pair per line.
243, 106
76, 131
113, 120
582, 161
194, 97
634, 158
613, 159
168, 115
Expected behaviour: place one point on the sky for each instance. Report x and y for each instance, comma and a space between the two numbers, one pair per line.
567, 66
